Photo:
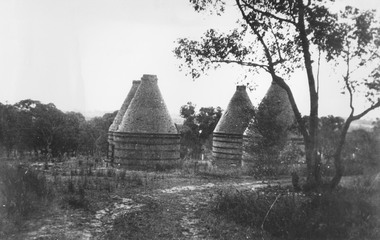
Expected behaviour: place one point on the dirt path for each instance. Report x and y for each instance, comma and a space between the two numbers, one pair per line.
195, 197
168, 213
180, 205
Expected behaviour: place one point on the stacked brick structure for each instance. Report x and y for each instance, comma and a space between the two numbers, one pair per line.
147, 137
227, 146
119, 117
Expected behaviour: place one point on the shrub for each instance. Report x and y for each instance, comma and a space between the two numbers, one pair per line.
122, 174
100, 173
81, 172
222, 173
166, 167
136, 178
342, 214
90, 171
75, 196
110, 172
77, 199
23, 190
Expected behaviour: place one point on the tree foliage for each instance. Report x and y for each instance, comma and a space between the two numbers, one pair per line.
278, 37
197, 128
31, 127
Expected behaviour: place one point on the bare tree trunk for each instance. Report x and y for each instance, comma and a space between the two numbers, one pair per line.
314, 174
339, 169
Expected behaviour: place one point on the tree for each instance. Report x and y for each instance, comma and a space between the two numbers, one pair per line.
197, 128
8, 122
190, 143
360, 148
330, 129
87, 137
286, 35
207, 118
47, 122
376, 127
1, 125
31, 126
359, 51
97, 131
68, 135
376, 139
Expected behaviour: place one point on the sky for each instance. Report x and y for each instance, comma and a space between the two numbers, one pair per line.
82, 55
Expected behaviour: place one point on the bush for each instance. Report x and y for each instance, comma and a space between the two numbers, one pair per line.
111, 172
122, 174
136, 178
342, 214
75, 195
222, 173
77, 199
166, 167
23, 190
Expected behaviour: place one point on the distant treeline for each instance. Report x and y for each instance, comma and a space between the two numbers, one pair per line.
32, 128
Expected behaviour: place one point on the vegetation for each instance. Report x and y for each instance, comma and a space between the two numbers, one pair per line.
23, 190
174, 201
341, 214
29, 191
32, 128
197, 129
81, 187
278, 37
360, 153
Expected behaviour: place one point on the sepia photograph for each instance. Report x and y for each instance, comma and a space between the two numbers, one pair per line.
190, 119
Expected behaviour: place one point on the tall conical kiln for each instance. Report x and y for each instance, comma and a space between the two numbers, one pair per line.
147, 136
227, 146
119, 117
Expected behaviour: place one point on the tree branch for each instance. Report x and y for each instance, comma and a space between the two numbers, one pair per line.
362, 114
346, 81
266, 50
337, 155
319, 66
248, 64
277, 79
268, 14
363, 62
276, 42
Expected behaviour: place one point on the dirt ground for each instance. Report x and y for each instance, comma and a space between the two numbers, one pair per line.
172, 207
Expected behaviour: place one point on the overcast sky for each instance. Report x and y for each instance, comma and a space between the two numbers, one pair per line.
82, 55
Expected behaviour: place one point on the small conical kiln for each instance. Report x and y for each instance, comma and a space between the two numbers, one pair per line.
273, 119
227, 145
119, 117
147, 136
274, 108
276, 104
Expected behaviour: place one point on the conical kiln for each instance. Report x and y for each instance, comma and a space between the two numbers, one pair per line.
147, 137
119, 117
227, 146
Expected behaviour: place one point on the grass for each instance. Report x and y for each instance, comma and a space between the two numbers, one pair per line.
192, 168
28, 190
270, 213
341, 214
24, 193
23, 190
223, 173
75, 197
157, 220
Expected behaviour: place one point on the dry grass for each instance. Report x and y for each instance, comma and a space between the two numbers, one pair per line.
346, 213
28, 190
